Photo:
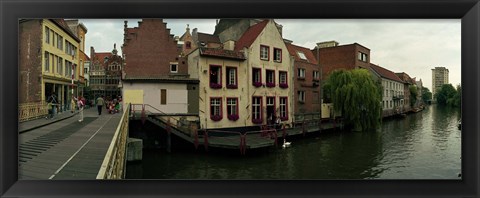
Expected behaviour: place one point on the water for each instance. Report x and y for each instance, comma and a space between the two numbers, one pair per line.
425, 145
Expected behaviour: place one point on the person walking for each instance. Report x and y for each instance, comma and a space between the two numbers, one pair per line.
52, 100
100, 103
80, 106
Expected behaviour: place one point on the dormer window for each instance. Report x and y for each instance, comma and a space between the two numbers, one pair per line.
173, 68
188, 45
301, 55
363, 57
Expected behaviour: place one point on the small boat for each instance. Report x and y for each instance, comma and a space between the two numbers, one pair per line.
285, 144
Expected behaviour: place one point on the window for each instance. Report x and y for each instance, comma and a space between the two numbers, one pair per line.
277, 55
173, 68
85, 70
316, 75
53, 37
232, 108
47, 61
257, 110
264, 51
163, 96
301, 96
47, 35
231, 77
270, 78
59, 42
282, 80
301, 55
301, 73
60, 65
188, 45
216, 109
363, 57
215, 77
55, 62
68, 68
283, 108
257, 77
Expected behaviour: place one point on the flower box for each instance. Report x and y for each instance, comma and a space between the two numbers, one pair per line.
283, 85
232, 86
257, 121
233, 117
269, 84
216, 118
257, 84
283, 118
215, 86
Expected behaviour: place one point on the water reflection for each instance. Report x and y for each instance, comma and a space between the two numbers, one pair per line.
425, 145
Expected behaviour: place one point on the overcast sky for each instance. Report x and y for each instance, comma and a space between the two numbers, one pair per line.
407, 45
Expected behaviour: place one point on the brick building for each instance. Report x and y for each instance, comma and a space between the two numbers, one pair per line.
306, 88
105, 73
154, 72
48, 59
407, 82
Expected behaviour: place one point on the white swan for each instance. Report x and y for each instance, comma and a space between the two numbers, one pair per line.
285, 144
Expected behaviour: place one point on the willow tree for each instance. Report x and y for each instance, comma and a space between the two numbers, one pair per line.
357, 96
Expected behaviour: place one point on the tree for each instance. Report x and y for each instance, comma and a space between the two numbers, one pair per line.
426, 95
413, 94
446, 94
457, 99
357, 96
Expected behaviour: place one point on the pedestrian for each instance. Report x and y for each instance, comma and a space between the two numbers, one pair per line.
100, 103
80, 106
53, 101
50, 111
73, 104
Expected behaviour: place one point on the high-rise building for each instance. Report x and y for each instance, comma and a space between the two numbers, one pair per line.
439, 78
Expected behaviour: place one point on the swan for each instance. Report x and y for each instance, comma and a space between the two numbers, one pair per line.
285, 143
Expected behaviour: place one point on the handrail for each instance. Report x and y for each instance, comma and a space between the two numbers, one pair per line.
114, 163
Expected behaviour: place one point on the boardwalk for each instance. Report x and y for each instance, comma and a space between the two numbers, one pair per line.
64, 148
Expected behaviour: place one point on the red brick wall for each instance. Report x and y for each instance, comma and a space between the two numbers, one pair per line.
150, 49
308, 106
30, 61
345, 56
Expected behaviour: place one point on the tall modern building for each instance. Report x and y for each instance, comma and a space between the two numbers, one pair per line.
439, 78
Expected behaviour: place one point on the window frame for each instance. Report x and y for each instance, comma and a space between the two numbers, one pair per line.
268, 52
272, 72
227, 77
171, 71
47, 35
217, 85
275, 50
283, 118
46, 62
298, 73
233, 117
282, 85
213, 116
299, 95
254, 112
316, 77
257, 83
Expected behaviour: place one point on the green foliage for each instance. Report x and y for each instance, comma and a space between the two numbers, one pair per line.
457, 99
413, 94
426, 95
446, 95
357, 96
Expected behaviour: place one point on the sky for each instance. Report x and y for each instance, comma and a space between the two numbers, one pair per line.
413, 46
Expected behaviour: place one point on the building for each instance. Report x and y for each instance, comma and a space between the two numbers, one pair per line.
48, 61
198, 39
154, 72
80, 31
105, 74
306, 89
407, 82
393, 90
420, 93
333, 56
439, 78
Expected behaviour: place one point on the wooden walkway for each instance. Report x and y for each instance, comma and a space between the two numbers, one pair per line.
65, 149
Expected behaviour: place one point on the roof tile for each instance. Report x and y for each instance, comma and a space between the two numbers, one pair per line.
250, 35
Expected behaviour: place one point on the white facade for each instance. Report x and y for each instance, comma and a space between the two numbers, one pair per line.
175, 99
393, 94
86, 72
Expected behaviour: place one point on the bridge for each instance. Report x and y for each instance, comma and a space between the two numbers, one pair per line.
63, 148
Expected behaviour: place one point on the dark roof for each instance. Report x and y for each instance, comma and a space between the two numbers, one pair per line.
405, 77
293, 49
385, 73
250, 35
62, 24
222, 53
207, 38
224, 24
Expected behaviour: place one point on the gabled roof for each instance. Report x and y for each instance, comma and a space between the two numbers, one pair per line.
207, 38
385, 73
222, 53
405, 77
62, 24
250, 35
294, 49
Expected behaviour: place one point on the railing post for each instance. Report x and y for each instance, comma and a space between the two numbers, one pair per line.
205, 138
143, 116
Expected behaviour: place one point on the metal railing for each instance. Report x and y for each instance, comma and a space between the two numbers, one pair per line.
114, 163
32, 110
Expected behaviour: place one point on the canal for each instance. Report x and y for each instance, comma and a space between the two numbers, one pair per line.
425, 145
